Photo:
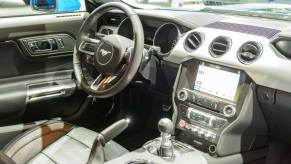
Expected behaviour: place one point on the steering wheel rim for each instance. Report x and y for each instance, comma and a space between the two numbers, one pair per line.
135, 57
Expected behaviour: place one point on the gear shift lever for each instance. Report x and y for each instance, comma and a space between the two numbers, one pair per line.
166, 147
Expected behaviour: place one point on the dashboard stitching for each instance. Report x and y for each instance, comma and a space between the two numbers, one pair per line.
242, 28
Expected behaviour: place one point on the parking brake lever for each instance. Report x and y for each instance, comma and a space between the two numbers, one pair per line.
114, 130
97, 151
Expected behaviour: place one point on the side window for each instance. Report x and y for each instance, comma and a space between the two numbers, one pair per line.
12, 8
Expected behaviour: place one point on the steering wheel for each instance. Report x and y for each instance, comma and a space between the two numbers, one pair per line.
115, 57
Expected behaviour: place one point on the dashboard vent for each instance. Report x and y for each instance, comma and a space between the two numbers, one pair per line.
219, 46
249, 52
193, 41
113, 20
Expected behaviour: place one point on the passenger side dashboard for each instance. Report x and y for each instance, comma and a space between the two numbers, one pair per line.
264, 61
258, 50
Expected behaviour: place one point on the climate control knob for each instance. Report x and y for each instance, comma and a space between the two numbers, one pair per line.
229, 111
182, 95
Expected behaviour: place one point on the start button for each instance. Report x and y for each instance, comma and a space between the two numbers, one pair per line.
182, 124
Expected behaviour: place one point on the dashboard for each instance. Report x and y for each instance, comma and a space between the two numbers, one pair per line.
229, 66
257, 46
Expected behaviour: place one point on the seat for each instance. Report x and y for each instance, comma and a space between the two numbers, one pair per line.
57, 142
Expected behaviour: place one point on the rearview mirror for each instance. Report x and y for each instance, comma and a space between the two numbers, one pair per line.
55, 5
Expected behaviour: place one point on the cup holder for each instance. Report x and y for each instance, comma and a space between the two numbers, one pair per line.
140, 161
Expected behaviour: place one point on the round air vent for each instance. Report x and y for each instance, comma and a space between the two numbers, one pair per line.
193, 41
219, 46
249, 52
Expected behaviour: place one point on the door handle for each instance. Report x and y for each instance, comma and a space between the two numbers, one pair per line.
49, 90
46, 97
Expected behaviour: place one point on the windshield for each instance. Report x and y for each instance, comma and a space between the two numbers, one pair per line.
13, 8
277, 9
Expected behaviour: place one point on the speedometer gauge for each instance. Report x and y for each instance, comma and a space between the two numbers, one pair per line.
166, 37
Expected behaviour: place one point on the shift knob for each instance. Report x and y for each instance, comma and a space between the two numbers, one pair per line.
166, 147
165, 126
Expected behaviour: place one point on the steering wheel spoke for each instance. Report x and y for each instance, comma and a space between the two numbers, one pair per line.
103, 82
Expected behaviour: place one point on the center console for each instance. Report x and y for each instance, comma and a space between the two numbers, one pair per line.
216, 119
215, 109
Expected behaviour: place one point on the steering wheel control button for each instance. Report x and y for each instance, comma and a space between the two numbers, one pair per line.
229, 111
89, 47
182, 95
89, 59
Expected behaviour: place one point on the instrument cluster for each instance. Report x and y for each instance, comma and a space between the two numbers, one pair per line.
165, 36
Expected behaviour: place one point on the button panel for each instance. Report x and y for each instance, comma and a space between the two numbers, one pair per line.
48, 45
207, 101
202, 117
209, 120
198, 131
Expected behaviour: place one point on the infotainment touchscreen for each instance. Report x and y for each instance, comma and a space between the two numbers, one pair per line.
217, 82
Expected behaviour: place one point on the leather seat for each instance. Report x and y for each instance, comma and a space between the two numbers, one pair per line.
57, 142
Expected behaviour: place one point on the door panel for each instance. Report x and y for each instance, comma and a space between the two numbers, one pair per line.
14, 63
17, 27
12, 102
22, 73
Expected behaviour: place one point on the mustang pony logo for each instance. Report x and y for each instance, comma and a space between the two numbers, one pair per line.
104, 52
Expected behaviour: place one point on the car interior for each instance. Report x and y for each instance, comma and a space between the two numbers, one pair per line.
145, 82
